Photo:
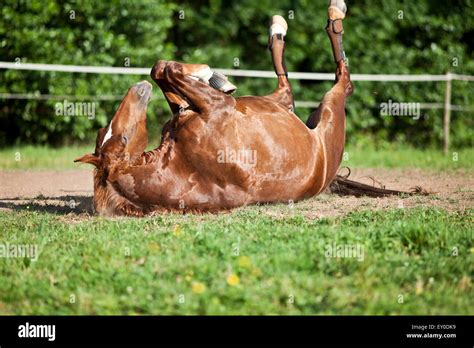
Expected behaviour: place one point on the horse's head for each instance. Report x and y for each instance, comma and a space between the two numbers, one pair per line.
125, 137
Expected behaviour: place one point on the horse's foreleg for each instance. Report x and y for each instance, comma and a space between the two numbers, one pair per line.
276, 44
203, 73
200, 72
185, 82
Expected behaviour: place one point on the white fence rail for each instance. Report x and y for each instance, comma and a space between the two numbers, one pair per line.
447, 78
234, 72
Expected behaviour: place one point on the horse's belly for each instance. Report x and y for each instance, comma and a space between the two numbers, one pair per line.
269, 156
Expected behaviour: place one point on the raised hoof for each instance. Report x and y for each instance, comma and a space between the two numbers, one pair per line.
337, 9
220, 82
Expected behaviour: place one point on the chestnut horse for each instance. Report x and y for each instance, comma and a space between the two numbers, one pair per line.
220, 152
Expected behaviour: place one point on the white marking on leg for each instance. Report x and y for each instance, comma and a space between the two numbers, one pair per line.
203, 75
277, 28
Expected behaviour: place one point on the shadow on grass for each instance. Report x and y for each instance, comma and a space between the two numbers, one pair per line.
62, 205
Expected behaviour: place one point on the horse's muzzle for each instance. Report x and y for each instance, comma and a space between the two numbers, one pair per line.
143, 92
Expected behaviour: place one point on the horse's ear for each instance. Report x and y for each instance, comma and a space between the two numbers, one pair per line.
89, 158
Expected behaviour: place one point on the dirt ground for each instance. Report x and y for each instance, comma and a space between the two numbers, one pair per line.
70, 192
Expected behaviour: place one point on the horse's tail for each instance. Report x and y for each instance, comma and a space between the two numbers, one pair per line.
342, 186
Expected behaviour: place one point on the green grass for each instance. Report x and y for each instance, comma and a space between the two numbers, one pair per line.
243, 262
38, 157
393, 156
146, 266
402, 156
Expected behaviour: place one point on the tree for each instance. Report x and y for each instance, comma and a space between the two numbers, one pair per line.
393, 36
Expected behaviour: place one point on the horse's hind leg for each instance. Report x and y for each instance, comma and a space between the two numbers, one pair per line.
336, 13
276, 44
343, 86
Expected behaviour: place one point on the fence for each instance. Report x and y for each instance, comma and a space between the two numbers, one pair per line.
447, 78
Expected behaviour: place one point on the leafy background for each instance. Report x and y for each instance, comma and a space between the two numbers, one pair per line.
426, 40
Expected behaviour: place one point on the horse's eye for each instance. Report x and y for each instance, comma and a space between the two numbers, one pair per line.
124, 139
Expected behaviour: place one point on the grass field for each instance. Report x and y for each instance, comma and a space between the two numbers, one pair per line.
396, 261
413, 262
29, 157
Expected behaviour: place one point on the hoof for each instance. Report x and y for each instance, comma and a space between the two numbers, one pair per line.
220, 82
279, 26
337, 9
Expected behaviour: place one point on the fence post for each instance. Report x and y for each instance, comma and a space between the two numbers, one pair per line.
447, 111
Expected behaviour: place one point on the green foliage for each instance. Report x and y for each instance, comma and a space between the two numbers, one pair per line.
143, 266
113, 33
390, 37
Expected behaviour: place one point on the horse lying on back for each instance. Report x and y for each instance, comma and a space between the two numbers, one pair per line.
220, 152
